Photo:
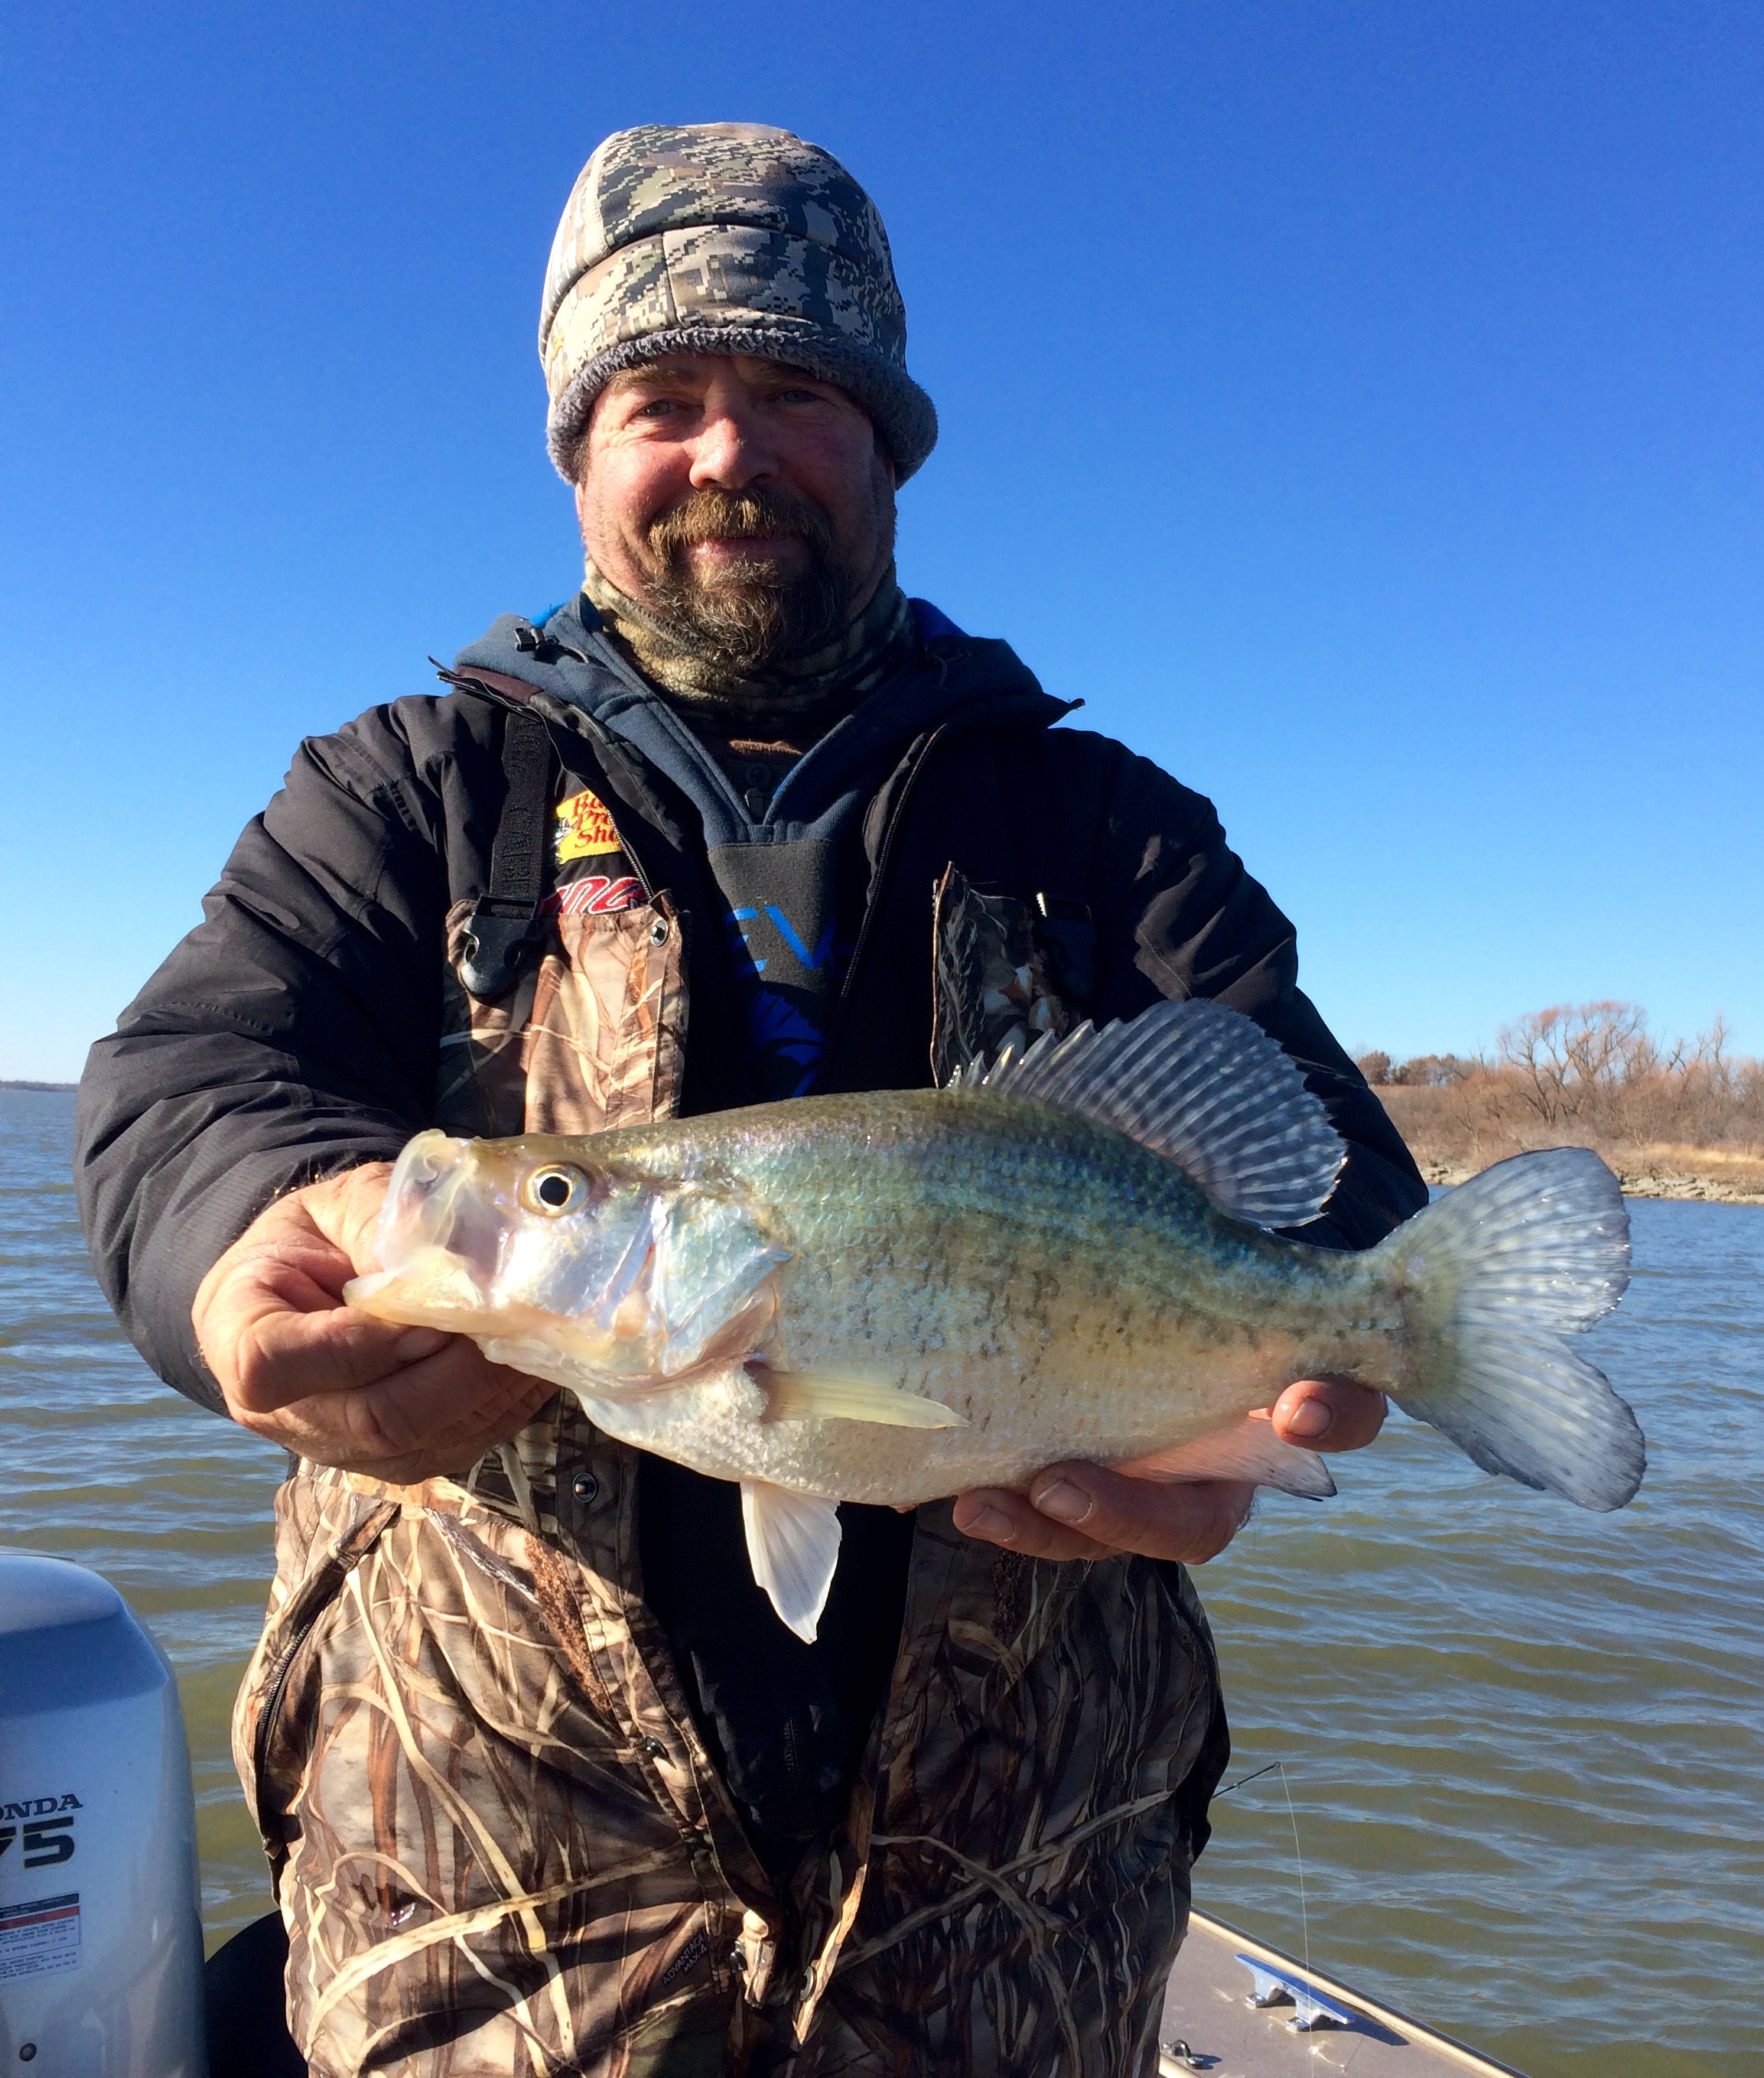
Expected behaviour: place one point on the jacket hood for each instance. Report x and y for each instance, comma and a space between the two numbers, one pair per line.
563, 652
565, 655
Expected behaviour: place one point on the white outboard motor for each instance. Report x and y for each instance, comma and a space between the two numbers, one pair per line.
100, 1910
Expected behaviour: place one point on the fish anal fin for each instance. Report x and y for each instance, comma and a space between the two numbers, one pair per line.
811, 1396
1251, 1451
793, 1546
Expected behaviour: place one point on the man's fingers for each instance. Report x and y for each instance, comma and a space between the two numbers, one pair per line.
1328, 1414
298, 1366
1191, 1521
440, 1404
1086, 1512
996, 1515
278, 1356
437, 1416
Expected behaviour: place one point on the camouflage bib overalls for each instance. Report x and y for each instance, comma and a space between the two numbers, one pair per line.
499, 1845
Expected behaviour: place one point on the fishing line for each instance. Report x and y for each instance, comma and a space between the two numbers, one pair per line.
1304, 1916
1255, 1774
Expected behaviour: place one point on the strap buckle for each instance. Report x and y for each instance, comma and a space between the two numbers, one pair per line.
499, 938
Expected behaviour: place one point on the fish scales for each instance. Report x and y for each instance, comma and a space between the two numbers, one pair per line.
1066, 1292
897, 1296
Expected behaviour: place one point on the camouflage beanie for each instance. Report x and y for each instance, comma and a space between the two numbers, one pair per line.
725, 238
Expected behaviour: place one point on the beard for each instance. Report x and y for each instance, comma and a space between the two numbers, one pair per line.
757, 612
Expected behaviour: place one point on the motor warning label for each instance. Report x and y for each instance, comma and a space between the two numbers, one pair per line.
40, 1936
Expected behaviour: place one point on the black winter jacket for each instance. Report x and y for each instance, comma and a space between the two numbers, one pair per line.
294, 1033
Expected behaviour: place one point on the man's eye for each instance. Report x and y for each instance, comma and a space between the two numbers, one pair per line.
797, 396
658, 407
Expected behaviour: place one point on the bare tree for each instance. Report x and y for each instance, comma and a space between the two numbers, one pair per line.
1569, 1056
1593, 1075
1435, 1071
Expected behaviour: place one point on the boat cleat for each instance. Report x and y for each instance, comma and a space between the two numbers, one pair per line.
1268, 1986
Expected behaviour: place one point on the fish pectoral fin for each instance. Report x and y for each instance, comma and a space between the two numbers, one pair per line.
814, 1396
792, 1546
1250, 1451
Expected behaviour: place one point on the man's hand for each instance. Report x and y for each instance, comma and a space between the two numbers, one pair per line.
1081, 1511
298, 1366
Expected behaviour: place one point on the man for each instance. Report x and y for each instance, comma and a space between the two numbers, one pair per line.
545, 1786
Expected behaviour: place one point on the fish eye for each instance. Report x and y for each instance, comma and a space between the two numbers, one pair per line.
554, 1191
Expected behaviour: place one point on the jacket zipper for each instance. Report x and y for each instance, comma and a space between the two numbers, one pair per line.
885, 859
872, 909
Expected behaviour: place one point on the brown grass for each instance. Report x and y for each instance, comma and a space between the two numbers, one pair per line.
1679, 1120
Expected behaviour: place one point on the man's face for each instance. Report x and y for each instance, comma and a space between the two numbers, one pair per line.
749, 504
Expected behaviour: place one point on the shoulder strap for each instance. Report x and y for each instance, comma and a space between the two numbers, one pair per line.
501, 933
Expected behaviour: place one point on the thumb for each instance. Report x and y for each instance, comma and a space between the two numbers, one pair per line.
345, 1209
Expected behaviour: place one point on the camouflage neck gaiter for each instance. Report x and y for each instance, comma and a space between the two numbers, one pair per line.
800, 694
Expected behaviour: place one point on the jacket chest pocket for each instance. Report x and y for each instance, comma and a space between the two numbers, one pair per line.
590, 1038
1005, 972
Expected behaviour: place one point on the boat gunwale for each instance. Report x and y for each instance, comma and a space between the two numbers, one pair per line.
1416, 2034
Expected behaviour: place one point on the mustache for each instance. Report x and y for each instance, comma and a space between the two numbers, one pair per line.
709, 515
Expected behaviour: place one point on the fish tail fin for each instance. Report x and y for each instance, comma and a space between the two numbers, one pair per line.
1505, 1266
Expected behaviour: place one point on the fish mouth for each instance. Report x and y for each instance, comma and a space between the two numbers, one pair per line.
631, 1279
438, 1241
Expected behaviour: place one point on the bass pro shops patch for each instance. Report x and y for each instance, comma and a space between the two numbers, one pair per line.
585, 829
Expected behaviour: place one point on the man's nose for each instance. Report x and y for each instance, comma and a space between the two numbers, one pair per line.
731, 453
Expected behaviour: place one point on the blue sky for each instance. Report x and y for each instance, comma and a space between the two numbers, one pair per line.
1356, 402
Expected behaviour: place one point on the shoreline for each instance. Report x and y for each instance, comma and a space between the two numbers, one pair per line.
1690, 1186
1635, 1183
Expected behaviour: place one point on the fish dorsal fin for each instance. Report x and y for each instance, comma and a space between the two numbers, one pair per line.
1202, 1085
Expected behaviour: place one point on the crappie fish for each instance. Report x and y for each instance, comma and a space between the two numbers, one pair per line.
896, 1296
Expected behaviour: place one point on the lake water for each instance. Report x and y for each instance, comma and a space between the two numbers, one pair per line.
1523, 1746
